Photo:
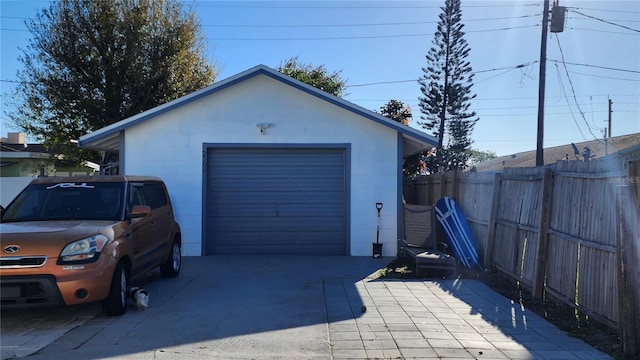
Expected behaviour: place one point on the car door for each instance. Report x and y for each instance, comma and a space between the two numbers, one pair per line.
161, 216
142, 231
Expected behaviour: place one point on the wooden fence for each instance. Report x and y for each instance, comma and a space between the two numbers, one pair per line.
559, 230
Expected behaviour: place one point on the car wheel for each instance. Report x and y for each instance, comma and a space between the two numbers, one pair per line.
116, 302
171, 267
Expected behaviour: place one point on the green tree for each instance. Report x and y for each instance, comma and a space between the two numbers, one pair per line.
446, 85
479, 156
316, 76
92, 63
397, 111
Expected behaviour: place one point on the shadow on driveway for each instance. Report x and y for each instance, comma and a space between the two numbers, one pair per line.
292, 307
223, 307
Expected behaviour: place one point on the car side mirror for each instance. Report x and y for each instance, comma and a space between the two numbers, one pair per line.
140, 211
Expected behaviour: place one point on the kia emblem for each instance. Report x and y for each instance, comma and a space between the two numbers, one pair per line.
11, 249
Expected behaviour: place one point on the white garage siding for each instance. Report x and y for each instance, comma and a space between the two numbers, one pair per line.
276, 201
172, 141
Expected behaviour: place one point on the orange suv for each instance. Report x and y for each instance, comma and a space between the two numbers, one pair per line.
76, 240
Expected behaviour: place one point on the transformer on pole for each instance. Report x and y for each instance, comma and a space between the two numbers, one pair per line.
557, 18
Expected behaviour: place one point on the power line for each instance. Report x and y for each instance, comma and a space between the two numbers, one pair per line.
603, 77
607, 10
618, 20
573, 91
474, 72
331, 25
550, 96
607, 22
21, 30
603, 31
356, 25
595, 66
508, 99
268, 5
494, 76
13, 17
546, 113
356, 37
335, 38
569, 105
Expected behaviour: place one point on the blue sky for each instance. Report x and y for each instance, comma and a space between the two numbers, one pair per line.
380, 47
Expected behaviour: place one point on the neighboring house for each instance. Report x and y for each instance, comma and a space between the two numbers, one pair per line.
20, 162
17, 158
261, 163
627, 146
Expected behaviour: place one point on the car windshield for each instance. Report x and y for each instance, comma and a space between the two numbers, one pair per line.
67, 201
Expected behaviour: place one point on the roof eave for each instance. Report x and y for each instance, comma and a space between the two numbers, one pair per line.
104, 139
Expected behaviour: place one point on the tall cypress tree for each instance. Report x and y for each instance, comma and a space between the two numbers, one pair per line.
446, 85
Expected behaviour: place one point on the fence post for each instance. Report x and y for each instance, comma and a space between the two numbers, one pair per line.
443, 184
493, 218
429, 199
455, 184
543, 234
627, 256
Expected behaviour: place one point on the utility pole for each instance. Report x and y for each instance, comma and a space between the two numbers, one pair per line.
541, 85
610, 103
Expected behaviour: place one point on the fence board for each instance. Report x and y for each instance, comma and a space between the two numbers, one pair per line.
597, 284
504, 247
562, 267
528, 243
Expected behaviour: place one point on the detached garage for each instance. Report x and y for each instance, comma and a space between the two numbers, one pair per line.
261, 163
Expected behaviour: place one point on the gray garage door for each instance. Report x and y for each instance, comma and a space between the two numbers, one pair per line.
276, 201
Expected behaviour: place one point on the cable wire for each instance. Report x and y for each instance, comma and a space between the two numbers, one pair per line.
574, 97
603, 77
607, 22
358, 25
602, 31
568, 104
473, 72
595, 66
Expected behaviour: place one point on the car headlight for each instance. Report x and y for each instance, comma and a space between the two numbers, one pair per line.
85, 250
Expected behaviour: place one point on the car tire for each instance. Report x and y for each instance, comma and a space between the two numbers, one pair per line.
116, 303
173, 264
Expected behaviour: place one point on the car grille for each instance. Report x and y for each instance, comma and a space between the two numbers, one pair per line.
29, 291
15, 262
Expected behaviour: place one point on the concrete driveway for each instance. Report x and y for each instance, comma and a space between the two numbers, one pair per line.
287, 307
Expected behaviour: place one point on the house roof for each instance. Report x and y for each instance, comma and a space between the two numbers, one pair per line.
9, 147
598, 149
23, 151
108, 138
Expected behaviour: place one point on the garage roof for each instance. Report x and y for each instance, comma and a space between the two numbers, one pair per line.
108, 138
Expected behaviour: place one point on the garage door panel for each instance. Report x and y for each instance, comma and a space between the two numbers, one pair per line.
276, 201
272, 198
248, 186
247, 239
297, 225
268, 243
284, 174
281, 249
269, 210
